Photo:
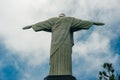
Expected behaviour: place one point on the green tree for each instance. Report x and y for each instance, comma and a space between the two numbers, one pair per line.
108, 73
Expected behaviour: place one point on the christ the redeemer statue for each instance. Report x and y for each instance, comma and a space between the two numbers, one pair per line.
62, 29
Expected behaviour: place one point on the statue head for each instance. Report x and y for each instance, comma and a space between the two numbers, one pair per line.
62, 15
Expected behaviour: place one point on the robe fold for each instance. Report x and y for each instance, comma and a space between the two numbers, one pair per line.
62, 29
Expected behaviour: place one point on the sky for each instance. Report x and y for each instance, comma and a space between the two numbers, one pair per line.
24, 54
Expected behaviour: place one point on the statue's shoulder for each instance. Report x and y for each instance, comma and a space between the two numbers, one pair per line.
71, 18
62, 18
54, 18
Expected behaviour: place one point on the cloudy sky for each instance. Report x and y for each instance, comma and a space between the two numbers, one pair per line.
24, 55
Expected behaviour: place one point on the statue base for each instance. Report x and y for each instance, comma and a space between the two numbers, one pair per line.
60, 77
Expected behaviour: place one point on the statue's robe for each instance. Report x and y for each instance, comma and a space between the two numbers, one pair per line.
62, 29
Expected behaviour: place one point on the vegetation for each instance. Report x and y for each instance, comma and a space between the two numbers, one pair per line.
108, 73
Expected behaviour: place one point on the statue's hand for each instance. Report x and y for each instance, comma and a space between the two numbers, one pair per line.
98, 23
27, 27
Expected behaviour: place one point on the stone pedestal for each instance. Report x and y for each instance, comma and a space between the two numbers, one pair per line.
60, 77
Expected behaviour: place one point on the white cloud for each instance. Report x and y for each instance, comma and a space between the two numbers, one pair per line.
96, 43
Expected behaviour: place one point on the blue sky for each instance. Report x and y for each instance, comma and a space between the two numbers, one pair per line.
24, 55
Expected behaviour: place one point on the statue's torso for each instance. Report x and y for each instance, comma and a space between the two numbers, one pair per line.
61, 33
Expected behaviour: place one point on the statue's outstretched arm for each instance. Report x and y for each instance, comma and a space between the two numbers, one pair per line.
26, 27
98, 23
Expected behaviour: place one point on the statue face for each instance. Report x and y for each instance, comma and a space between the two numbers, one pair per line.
62, 15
